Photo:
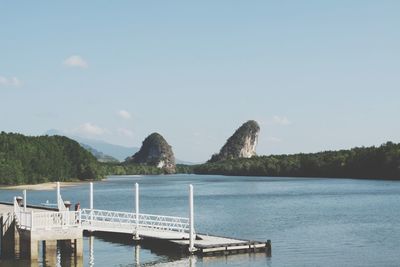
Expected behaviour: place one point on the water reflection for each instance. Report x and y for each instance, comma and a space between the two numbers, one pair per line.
158, 254
192, 261
186, 262
259, 259
137, 255
52, 253
91, 251
143, 253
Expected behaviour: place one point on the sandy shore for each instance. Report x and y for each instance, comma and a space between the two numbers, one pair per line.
44, 186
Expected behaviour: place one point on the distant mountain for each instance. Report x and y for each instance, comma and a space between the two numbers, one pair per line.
183, 162
242, 144
100, 156
109, 150
155, 151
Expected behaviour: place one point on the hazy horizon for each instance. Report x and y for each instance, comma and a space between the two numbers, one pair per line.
315, 75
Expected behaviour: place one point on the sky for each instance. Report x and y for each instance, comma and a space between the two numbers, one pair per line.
316, 75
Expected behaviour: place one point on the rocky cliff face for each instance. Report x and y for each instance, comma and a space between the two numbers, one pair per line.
157, 152
242, 144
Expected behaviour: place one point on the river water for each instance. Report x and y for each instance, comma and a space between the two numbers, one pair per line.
310, 221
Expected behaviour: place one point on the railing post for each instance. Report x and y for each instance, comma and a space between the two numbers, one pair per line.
67, 218
91, 202
15, 207
137, 211
191, 220
24, 193
31, 220
58, 195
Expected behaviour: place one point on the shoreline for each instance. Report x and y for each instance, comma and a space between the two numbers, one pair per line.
42, 186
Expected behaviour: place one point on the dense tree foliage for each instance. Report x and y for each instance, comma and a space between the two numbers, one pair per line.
110, 168
39, 159
25, 159
30, 160
366, 162
129, 169
182, 168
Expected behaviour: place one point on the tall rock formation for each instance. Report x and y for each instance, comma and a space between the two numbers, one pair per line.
242, 144
157, 152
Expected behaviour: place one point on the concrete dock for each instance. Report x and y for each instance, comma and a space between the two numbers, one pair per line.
23, 243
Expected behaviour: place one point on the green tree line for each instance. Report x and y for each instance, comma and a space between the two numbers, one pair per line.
39, 159
381, 162
26, 159
139, 169
30, 160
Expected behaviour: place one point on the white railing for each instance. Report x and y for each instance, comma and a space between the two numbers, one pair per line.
165, 223
17, 213
24, 219
60, 204
17, 208
127, 220
47, 220
104, 220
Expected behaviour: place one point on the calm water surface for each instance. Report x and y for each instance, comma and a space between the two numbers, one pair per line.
311, 222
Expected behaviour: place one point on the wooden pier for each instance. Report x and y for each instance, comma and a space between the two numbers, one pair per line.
28, 225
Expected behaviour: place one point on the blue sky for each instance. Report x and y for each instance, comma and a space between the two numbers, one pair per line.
316, 75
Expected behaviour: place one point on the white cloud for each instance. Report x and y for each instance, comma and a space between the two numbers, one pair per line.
75, 61
124, 114
281, 120
125, 132
3, 80
11, 81
274, 139
90, 129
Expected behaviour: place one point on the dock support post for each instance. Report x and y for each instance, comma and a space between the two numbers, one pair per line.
137, 237
8, 231
91, 202
50, 252
78, 247
24, 193
33, 249
17, 241
191, 220
268, 248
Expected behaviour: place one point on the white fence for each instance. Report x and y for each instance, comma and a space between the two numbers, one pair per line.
127, 220
47, 220
100, 218
104, 220
24, 219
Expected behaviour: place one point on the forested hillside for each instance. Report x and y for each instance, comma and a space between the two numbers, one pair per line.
25, 159
29, 160
366, 162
